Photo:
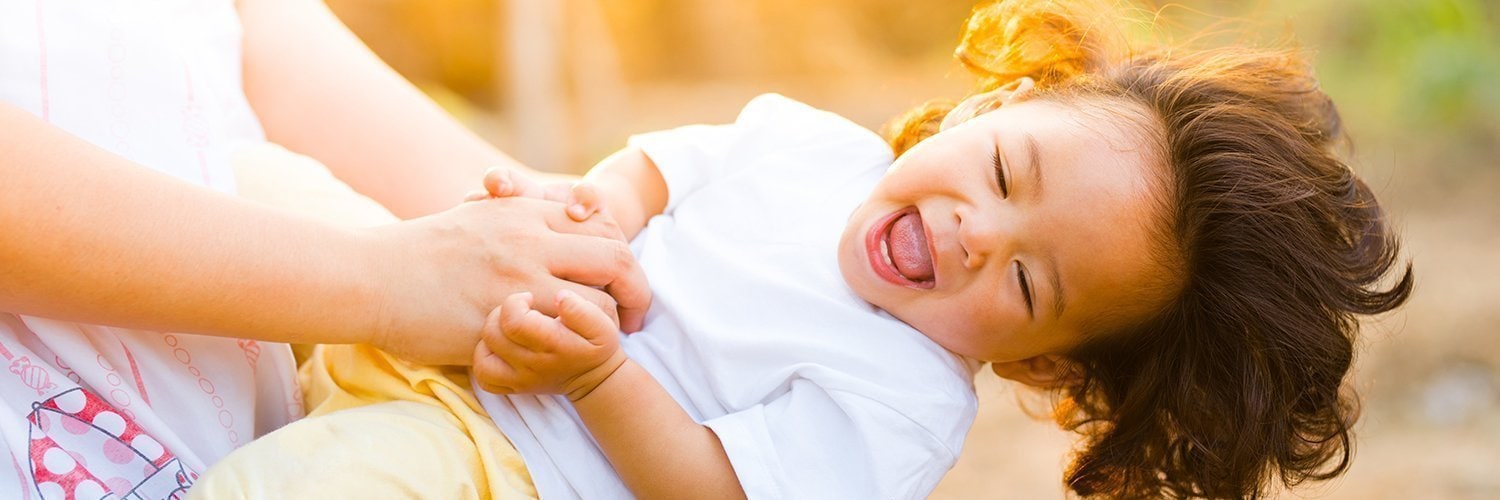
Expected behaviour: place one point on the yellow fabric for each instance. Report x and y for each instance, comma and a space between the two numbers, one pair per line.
377, 427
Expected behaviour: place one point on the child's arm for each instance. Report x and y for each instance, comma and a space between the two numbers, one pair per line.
632, 187
627, 184
652, 443
659, 450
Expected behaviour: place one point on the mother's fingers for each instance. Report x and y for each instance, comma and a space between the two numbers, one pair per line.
502, 182
520, 325
584, 319
590, 253
590, 294
607, 264
520, 213
600, 227
584, 200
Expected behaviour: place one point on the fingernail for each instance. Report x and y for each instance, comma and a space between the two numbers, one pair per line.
563, 295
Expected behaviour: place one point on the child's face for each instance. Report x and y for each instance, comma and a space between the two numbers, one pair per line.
942, 247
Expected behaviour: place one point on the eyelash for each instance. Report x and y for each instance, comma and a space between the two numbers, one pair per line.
1000, 175
1025, 286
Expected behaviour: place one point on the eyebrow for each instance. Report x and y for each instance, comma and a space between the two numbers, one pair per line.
1034, 155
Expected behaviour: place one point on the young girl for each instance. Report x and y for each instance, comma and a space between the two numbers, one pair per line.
1166, 238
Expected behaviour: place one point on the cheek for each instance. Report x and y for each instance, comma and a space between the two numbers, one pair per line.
963, 323
891, 186
989, 323
906, 178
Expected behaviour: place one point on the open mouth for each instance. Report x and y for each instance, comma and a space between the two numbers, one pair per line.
900, 250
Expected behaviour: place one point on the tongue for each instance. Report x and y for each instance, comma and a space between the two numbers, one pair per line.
908, 247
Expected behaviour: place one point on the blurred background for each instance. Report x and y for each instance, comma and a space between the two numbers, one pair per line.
559, 84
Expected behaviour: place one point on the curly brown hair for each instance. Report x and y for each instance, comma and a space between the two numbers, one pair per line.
1239, 380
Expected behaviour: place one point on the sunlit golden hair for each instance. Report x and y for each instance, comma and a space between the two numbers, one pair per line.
1051, 42
1237, 379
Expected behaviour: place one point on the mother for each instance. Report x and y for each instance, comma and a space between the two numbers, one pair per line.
118, 123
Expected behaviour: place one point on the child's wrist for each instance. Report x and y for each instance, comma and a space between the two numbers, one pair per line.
619, 195
586, 383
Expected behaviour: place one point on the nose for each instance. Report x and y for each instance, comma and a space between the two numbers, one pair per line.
985, 234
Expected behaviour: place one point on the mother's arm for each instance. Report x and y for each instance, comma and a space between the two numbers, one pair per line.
92, 237
320, 92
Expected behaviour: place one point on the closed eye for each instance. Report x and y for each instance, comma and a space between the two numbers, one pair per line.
1025, 289
1000, 174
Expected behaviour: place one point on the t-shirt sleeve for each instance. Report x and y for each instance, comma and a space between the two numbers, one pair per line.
688, 156
694, 156
817, 443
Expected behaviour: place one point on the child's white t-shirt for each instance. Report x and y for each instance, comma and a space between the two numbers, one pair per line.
814, 392
92, 410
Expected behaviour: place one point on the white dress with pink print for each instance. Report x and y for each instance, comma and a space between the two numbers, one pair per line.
93, 411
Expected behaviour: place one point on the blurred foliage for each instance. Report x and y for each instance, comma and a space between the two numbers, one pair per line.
1422, 73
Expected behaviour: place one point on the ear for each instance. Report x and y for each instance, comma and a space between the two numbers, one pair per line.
979, 104
1048, 371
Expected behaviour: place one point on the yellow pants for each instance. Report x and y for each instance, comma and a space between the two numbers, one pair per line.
378, 427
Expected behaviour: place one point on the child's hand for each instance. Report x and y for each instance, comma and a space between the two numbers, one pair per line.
525, 351
581, 197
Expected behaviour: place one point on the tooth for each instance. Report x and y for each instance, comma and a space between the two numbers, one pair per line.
885, 253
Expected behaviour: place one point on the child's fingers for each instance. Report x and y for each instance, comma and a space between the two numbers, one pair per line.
584, 318
498, 182
517, 324
491, 372
584, 200
530, 329
495, 338
502, 344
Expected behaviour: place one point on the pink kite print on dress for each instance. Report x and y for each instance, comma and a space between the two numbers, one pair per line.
83, 448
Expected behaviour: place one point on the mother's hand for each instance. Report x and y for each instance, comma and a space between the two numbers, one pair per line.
445, 272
